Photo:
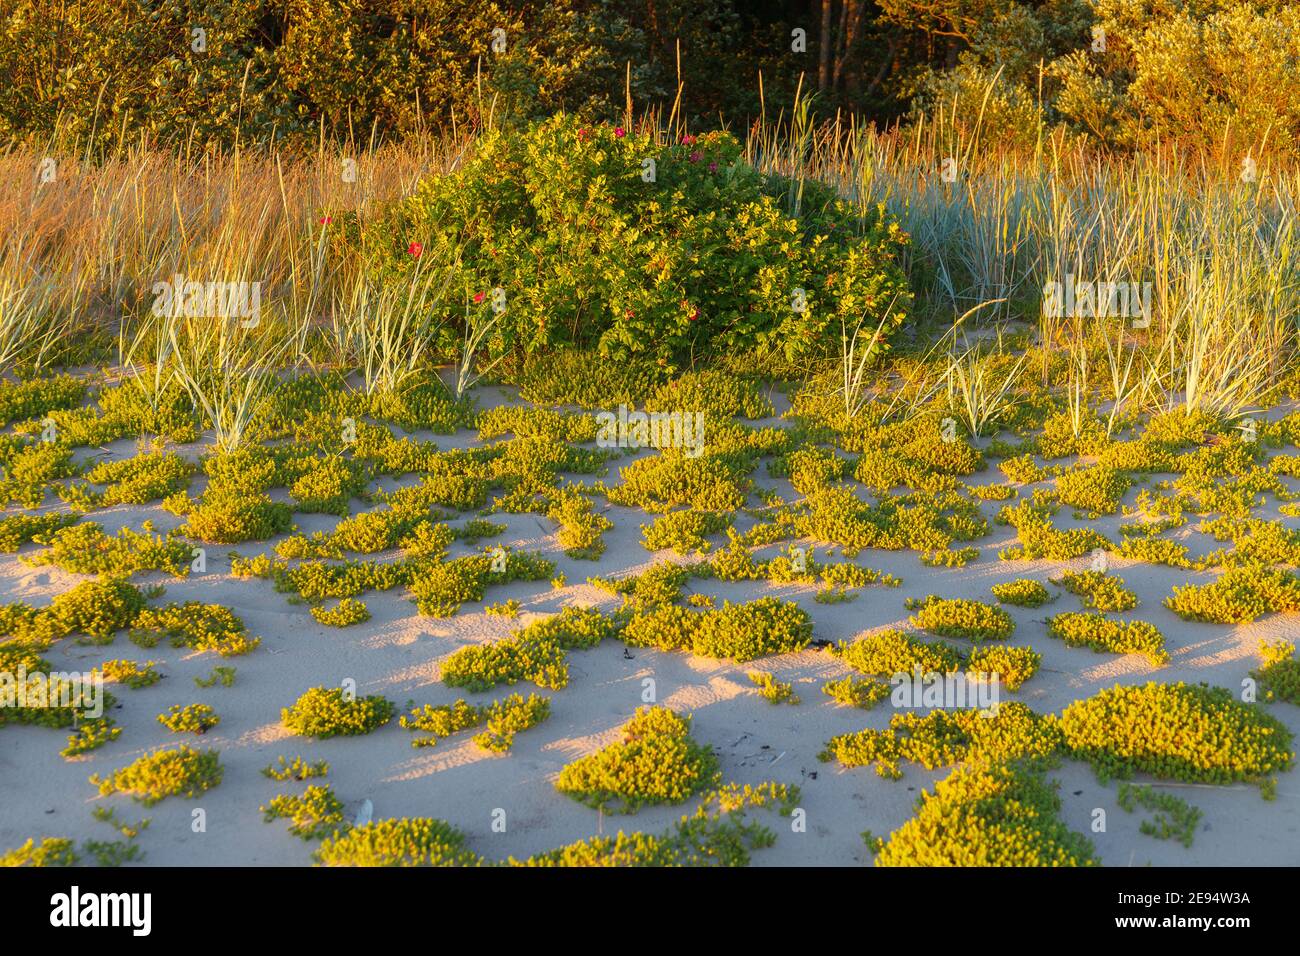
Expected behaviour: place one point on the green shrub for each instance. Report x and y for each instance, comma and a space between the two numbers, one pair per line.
504, 719
229, 516
684, 531
1176, 732
724, 257
149, 476
131, 673
85, 549
18, 529
655, 762
856, 693
1012, 665
164, 773
327, 712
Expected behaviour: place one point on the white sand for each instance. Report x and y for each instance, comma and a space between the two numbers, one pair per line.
397, 654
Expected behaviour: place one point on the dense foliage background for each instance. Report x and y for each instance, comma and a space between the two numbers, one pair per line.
1122, 74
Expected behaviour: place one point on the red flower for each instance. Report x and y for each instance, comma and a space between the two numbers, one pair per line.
415, 250
688, 140
326, 220
582, 136
628, 313
619, 132
479, 296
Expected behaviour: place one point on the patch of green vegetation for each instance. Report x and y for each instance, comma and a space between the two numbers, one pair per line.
1176, 732
738, 632
536, 653
892, 652
1240, 594
998, 815
1021, 593
296, 769
773, 690
1090, 629
164, 773
1099, 590
955, 617
684, 531
191, 718
656, 761
131, 673
85, 549
406, 841
51, 851
503, 719
198, 626
313, 814
329, 712
1174, 817
853, 692
347, 612
17, 530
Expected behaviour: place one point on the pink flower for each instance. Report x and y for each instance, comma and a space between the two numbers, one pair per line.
415, 250
479, 296
695, 157
619, 132
688, 140
713, 167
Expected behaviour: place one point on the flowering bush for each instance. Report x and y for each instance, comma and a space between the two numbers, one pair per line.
504, 719
698, 257
202, 627
894, 652
347, 612
1241, 594
773, 690
1279, 675
406, 841
314, 813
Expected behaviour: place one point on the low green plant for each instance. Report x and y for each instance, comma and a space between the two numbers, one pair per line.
347, 612
773, 690
1099, 590
192, 718
1090, 629
955, 617
1174, 817
1021, 593
328, 712
155, 776
296, 769
314, 813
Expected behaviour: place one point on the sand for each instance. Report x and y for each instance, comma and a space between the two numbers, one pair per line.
397, 654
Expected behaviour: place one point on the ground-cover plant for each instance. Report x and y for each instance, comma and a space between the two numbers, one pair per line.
1240, 594
942, 738
225, 676
503, 719
149, 476
51, 851
854, 692
85, 549
19, 529
986, 815
1011, 665
230, 517
193, 624
684, 531
1174, 817
662, 583
739, 632
1099, 590
892, 652
1039, 539
191, 718
133, 674
330, 712
441, 587
182, 771
96, 609
314, 813
405, 841
1279, 672
1176, 732
345, 613
656, 761
1021, 593
773, 690
295, 769
955, 617
1103, 634
535, 653
1095, 490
